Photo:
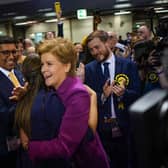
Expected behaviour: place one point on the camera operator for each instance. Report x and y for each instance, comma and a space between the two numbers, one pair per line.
144, 32
143, 50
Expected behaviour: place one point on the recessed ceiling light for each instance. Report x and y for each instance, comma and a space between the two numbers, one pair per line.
126, 5
9, 14
160, 8
54, 20
45, 10
50, 14
160, 1
51, 20
162, 11
26, 23
20, 17
122, 13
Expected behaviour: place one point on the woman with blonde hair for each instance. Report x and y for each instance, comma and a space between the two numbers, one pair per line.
75, 139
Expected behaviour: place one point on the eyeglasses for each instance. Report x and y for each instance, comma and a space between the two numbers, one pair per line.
110, 37
8, 52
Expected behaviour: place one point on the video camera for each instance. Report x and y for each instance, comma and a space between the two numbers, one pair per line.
149, 129
142, 49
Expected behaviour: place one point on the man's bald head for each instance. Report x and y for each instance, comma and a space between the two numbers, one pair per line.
112, 40
144, 33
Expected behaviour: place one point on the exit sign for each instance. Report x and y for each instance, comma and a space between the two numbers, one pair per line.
81, 13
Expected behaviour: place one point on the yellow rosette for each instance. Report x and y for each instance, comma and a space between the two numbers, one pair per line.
122, 79
152, 77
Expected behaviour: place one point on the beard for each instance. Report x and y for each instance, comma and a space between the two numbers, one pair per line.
105, 55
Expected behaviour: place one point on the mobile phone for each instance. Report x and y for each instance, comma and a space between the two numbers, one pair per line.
109, 82
57, 7
116, 82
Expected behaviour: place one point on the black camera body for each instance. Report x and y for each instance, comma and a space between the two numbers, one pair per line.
149, 124
142, 51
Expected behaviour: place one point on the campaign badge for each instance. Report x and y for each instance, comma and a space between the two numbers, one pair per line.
152, 77
122, 78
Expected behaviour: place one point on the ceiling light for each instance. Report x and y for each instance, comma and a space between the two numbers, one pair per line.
160, 1
122, 13
9, 14
51, 20
20, 17
126, 5
45, 10
50, 14
160, 8
54, 20
162, 11
25, 23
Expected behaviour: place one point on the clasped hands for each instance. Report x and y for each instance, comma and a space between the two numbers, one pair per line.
117, 89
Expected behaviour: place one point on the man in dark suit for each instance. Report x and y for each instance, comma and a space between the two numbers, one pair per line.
8, 140
115, 93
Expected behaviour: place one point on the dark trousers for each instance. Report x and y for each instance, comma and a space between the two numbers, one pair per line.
116, 149
8, 161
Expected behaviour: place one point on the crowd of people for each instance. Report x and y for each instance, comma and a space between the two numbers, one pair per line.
70, 106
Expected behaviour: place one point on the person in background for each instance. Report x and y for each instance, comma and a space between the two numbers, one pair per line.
31, 51
146, 63
120, 40
78, 47
10, 78
80, 53
27, 43
75, 139
19, 57
113, 40
128, 39
60, 25
116, 82
119, 49
144, 33
49, 35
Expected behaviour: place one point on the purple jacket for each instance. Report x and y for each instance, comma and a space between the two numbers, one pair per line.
70, 141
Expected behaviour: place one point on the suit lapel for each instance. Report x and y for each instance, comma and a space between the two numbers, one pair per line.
6, 86
118, 67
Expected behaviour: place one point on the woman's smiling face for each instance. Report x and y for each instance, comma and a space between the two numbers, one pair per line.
53, 70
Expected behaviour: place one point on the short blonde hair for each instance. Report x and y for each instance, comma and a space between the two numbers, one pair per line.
63, 49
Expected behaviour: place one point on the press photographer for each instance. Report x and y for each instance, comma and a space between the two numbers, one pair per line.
148, 53
146, 60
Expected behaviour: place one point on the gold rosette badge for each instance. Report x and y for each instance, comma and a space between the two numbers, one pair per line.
152, 77
122, 79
